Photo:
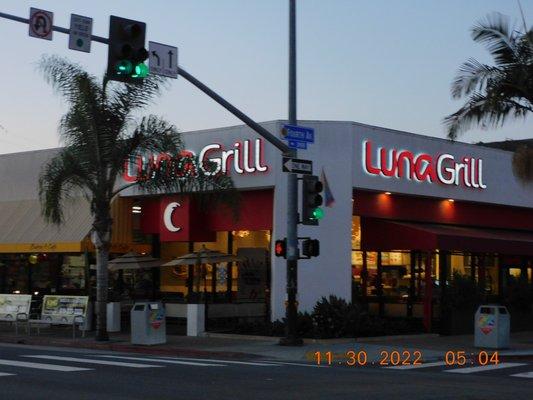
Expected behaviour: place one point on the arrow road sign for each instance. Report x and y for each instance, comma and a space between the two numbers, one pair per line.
81, 29
41, 23
297, 166
163, 59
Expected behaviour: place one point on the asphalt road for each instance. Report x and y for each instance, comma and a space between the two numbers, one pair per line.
33, 373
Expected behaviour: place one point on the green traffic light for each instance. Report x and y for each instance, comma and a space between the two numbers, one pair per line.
124, 67
318, 213
140, 71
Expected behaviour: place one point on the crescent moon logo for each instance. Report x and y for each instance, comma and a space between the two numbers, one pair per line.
167, 216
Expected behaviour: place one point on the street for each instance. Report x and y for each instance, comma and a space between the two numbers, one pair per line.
31, 372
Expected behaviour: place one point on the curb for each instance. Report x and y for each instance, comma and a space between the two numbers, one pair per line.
129, 348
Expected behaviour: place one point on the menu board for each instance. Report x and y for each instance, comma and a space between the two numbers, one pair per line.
13, 304
63, 309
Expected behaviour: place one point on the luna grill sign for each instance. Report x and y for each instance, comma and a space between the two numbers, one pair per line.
404, 164
244, 157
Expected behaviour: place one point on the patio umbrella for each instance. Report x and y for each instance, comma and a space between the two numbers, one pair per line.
203, 256
133, 260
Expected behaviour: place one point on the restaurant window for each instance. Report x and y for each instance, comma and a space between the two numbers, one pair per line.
73, 272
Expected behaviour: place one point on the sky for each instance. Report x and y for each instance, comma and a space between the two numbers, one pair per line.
387, 63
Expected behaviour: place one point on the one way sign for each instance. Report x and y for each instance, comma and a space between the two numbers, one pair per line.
163, 59
297, 166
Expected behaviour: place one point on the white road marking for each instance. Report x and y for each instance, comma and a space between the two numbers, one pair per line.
258, 364
164, 361
101, 362
50, 367
524, 375
481, 368
299, 364
416, 366
4, 374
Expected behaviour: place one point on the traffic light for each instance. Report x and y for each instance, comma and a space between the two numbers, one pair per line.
311, 248
126, 51
280, 248
311, 200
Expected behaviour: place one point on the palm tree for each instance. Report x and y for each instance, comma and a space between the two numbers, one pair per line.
494, 92
99, 132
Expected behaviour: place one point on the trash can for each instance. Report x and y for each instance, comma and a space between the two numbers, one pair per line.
148, 323
492, 327
113, 316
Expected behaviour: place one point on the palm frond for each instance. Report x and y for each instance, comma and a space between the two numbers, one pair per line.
499, 38
485, 111
473, 76
61, 178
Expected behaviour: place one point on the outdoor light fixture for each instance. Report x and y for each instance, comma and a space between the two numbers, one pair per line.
451, 200
36, 293
388, 193
17, 292
136, 209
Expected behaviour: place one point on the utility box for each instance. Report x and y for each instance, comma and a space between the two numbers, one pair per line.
492, 327
148, 323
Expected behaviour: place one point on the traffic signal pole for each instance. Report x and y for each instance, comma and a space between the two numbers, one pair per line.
291, 338
292, 181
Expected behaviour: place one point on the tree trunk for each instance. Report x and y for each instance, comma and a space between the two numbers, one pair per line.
101, 238
102, 259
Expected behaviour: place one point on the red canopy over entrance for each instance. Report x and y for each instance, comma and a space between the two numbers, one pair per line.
377, 234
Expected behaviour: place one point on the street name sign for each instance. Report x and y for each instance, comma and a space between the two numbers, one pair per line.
81, 29
297, 166
299, 133
163, 59
41, 23
296, 144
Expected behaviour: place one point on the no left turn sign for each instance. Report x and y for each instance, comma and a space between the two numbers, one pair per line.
41, 23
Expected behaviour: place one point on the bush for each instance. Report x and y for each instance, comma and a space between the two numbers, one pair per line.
334, 317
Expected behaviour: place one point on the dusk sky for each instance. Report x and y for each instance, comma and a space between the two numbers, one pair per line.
381, 62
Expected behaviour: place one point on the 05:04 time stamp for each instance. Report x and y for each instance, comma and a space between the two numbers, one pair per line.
403, 357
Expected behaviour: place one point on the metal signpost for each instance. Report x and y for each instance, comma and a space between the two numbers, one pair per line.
81, 29
41, 26
163, 59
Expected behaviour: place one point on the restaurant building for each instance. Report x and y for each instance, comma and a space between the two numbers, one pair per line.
404, 214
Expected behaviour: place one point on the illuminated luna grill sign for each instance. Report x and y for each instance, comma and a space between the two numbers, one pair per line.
246, 157
422, 167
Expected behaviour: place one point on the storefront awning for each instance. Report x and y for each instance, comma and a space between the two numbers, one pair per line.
385, 235
23, 229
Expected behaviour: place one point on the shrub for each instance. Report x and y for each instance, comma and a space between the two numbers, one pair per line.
334, 317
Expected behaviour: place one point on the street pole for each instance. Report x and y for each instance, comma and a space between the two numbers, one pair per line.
291, 338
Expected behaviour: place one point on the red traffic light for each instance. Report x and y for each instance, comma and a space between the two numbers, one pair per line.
280, 248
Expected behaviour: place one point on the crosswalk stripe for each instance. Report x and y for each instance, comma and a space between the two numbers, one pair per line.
416, 366
299, 364
101, 362
5, 374
524, 375
258, 364
482, 368
50, 367
198, 364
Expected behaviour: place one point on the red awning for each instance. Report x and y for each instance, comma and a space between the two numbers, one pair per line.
379, 234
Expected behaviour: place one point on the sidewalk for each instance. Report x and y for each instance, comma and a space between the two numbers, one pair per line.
431, 347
